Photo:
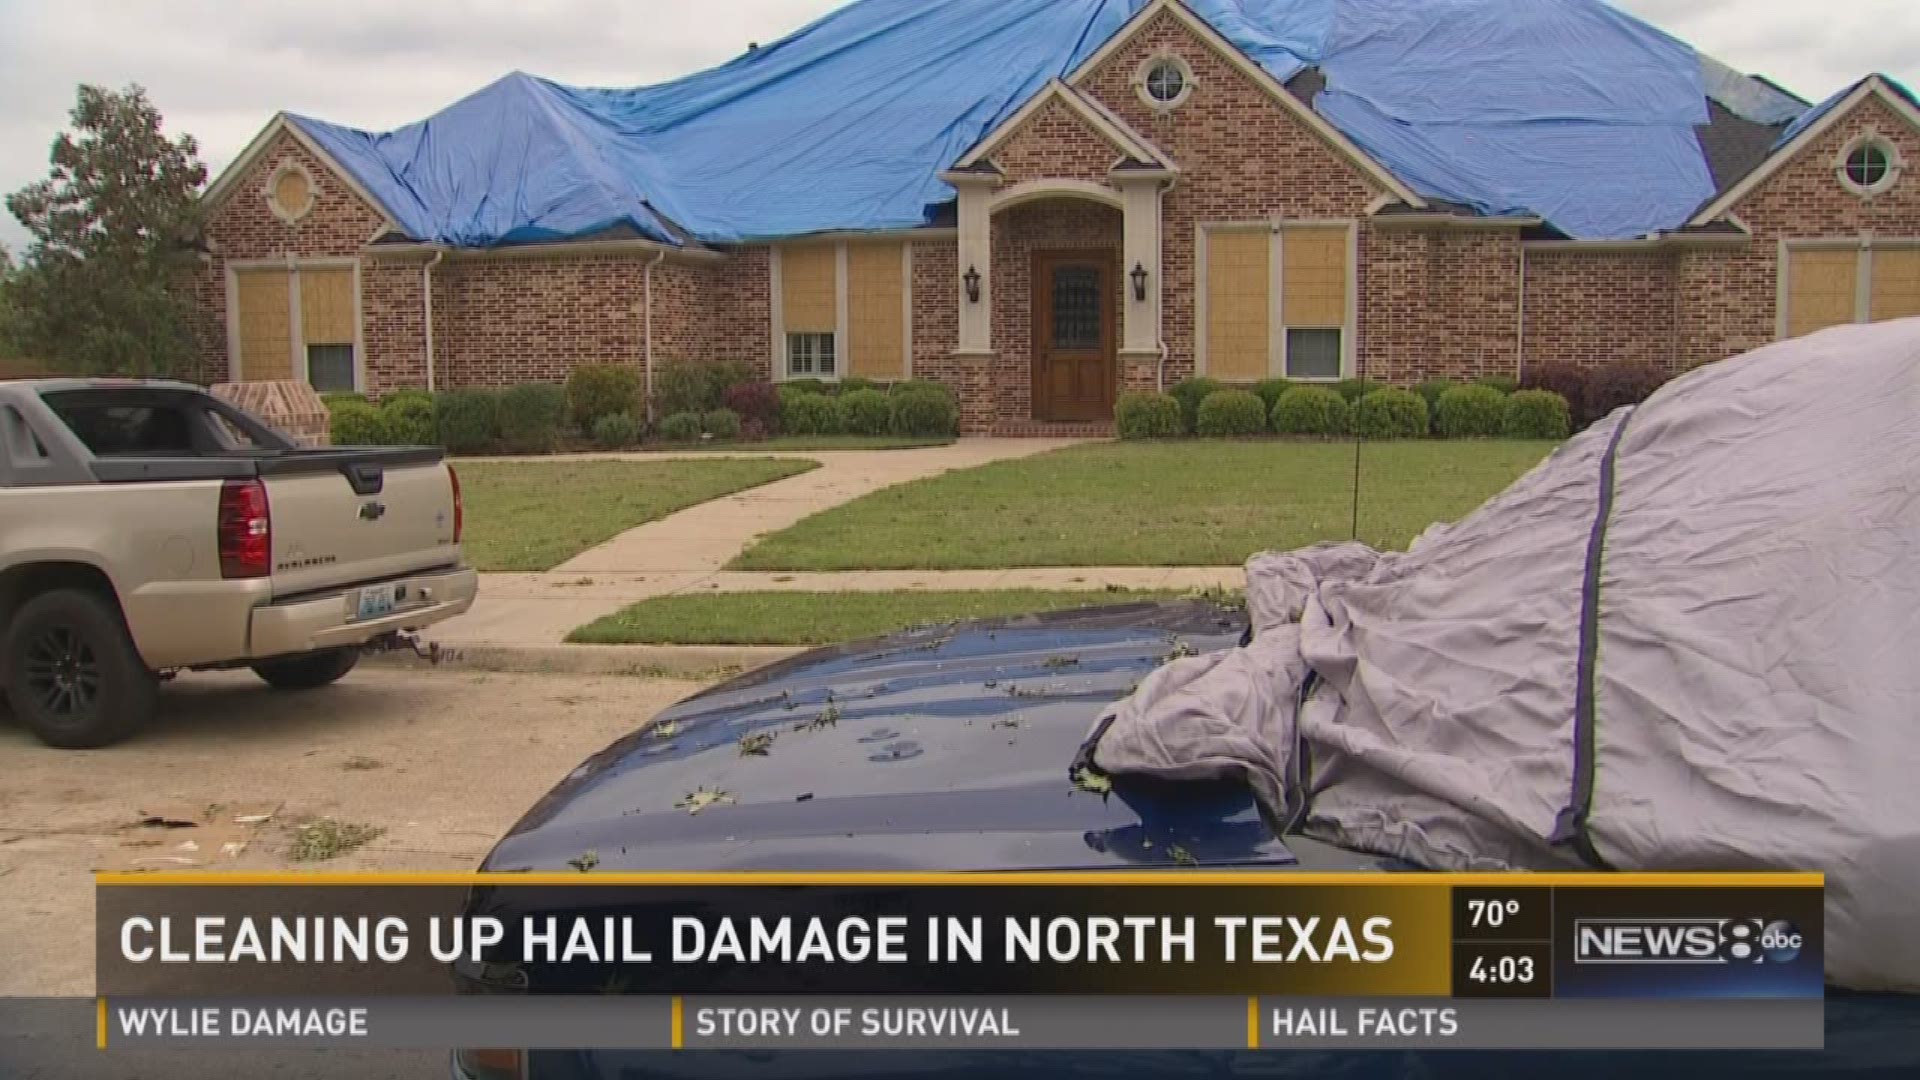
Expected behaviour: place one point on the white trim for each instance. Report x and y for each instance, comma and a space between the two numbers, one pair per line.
1783, 295
1259, 75
1035, 190
777, 314
1872, 86
906, 309
222, 185
1200, 256
1277, 302
1381, 202
1657, 242
862, 235
1896, 164
1454, 221
1095, 116
842, 313
1147, 66
559, 250
296, 332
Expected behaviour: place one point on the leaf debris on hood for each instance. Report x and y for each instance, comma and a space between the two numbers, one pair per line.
757, 744
700, 798
587, 861
1087, 779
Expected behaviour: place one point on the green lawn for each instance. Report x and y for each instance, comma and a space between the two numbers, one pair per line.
535, 515
1151, 504
813, 618
804, 442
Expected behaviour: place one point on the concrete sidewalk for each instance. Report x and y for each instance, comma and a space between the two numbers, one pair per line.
685, 552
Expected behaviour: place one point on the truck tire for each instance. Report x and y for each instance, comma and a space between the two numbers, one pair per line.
72, 673
308, 671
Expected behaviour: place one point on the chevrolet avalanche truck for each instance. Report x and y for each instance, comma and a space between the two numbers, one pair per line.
148, 528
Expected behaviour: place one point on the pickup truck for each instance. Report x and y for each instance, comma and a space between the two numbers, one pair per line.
148, 528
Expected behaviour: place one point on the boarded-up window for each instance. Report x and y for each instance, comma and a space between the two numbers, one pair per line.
876, 311
265, 321
1239, 304
1315, 273
327, 326
808, 295
1896, 283
1823, 290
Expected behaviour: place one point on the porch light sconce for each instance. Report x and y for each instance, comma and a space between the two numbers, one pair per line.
972, 279
1139, 277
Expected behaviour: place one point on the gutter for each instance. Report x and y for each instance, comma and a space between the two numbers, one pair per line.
646, 302
1453, 221
426, 291
1655, 242
560, 249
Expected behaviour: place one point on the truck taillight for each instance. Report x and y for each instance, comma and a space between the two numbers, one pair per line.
245, 530
459, 508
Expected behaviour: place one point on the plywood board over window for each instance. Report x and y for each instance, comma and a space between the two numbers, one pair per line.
876, 310
1316, 277
1896, 283
265, 319
808, 299
1239, 291
1823, 289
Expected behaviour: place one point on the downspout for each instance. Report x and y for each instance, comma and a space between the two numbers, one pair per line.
647, 340
426, 288
1520, 334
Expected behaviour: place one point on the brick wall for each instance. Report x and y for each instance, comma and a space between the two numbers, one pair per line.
1243, 157
521, 320
1600, 308
1730, 300
1055, 144
244, 227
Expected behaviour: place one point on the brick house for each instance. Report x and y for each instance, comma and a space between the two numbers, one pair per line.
1166, 207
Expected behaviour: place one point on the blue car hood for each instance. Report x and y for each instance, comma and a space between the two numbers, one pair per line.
940, 749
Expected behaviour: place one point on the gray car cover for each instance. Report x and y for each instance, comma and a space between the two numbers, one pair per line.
1688, 641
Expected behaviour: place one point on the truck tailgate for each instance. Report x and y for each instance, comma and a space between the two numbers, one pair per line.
327, 534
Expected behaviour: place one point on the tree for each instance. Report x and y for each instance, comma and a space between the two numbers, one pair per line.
113, 226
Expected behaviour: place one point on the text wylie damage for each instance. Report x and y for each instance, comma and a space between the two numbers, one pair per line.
1139, 939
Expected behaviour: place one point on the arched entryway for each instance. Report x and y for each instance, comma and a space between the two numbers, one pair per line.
1057, 308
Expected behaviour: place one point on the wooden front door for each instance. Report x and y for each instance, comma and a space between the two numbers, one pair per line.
1074, 313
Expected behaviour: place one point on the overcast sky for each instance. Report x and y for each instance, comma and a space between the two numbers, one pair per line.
220, 69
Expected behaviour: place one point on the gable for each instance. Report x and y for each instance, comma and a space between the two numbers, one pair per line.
1232, 129
1803, 195
246, 219
1056, 143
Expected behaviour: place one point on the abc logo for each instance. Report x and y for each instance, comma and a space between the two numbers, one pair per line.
1750, 940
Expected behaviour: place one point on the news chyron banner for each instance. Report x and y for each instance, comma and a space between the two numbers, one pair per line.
1178, 960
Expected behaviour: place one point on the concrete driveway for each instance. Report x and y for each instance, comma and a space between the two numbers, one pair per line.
444, 761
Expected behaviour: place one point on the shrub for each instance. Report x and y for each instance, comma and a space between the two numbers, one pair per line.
911, 385
1270, 392
468, 420
924, 413
1311, 410
599, 390
811, 414
356, 423
757, 403
1390, 414
616, 431
1430, 392
1570, 381
868, 412
1352, 390
1144, 415
682, 427
1471, 412
1231, 414
408, 419
1615, 386
753, 431
722, 424
853, 384
1506, 384
531, 416
342, 397
1190, 394
808, 386
1536, 414
688, 386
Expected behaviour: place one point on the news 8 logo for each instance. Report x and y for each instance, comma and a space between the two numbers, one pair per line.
1686, 941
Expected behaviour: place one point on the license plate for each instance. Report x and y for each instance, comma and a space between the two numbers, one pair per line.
377, 601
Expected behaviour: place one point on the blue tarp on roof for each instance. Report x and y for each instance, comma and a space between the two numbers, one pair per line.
1563, 108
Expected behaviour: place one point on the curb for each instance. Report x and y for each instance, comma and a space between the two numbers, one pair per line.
698, 662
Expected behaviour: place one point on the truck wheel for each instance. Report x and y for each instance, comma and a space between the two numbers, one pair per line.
308, 671
72, 673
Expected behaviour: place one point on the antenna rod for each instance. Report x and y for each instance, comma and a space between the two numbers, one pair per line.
1357, 440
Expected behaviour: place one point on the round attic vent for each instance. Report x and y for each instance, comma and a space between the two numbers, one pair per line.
1164, 81
1870, 165
290, 192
